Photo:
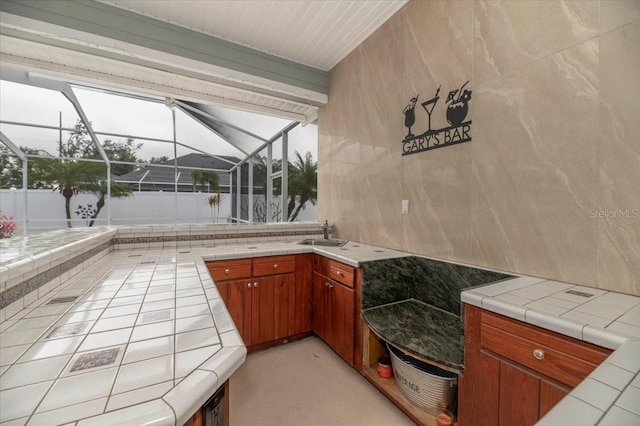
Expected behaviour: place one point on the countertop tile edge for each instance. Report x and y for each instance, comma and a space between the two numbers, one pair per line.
156, 411
504, 308
472, 298
182, 398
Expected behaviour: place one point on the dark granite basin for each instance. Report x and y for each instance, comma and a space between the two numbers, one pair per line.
414, 303
420, 329
323, 242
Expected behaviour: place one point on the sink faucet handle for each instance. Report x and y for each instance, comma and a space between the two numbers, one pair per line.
325, 228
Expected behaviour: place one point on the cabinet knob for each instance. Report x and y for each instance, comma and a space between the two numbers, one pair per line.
255, 284
275, 266
339, 273
249, 285
330, 285
226, 271
326, 284
538, 354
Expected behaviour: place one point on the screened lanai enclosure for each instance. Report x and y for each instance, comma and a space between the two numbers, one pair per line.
125, 112
77, 154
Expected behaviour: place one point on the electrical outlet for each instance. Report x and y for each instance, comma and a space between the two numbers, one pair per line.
405, 206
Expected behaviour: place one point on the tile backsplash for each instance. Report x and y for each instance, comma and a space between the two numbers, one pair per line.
430, 281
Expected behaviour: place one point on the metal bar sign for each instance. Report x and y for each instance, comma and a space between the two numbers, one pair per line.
459, 130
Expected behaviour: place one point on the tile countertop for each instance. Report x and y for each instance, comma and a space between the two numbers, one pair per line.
610, 395
156, 310
139, 336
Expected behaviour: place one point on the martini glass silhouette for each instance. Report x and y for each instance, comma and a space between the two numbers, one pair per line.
430, 104
410, 116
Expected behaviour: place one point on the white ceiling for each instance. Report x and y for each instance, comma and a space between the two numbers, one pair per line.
317, 33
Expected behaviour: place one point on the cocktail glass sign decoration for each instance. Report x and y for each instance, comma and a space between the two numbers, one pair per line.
457, 132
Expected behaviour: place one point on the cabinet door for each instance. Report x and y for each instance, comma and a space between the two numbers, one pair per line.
487, 399
285, 305
239, 306
510, 395
334, 315
223, 289
270, 307
302, 289
262, 310
550, 395
340, 315
319, 317
519, 396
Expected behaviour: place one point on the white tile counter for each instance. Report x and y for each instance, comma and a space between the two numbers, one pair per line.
610, 395
147, 338
137, 332
139, 335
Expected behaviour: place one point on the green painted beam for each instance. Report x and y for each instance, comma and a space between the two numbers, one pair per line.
118, 24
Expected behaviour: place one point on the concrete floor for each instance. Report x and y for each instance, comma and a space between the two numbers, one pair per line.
305, 383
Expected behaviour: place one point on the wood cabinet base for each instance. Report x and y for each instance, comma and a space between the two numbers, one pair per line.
278, 342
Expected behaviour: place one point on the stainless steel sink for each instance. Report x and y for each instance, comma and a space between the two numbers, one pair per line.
323, 242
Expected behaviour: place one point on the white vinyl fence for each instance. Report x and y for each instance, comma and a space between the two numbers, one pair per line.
46, 209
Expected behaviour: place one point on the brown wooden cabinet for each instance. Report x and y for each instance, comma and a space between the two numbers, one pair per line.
515, 372
334, 306
516, 395
236, 294
271, 307
272, 299
268, 298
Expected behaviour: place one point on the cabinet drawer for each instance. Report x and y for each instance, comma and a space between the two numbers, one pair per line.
273, 265
558, 357
230, 269
335, 270
341, 273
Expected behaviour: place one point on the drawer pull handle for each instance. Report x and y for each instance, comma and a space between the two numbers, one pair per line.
226, 271
275, 266
538, 354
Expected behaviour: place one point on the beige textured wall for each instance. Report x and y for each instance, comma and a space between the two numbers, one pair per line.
556, 136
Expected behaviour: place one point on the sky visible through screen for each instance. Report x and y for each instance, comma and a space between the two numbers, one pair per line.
124, 115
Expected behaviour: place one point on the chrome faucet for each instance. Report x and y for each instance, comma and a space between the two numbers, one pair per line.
325, 228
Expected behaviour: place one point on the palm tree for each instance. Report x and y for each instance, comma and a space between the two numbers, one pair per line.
118, 190
69, 178
205, 178
303, 184
74, 177
196, 177
214, 201
212, 179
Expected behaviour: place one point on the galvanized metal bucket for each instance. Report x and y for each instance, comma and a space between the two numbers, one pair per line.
426, 386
